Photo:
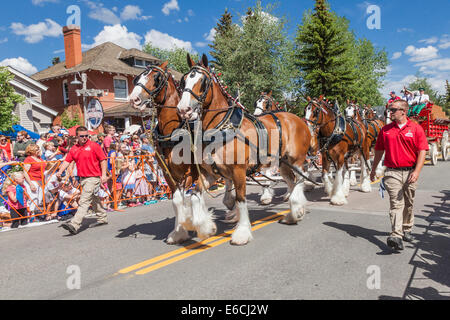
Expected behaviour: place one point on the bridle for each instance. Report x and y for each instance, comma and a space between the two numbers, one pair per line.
155, 92
267, 100
319, 112
206, 83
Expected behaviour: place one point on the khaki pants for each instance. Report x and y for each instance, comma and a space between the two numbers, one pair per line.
88, 196
401, 194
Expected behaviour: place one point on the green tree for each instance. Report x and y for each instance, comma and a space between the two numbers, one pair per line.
255, 56
70, 121
56, 60
8, 100
176, 56
324, 54
371, 68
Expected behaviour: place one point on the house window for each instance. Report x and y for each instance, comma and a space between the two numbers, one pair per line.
120, 88
66, 92
139, 63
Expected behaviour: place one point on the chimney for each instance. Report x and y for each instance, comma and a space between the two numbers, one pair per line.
72, 45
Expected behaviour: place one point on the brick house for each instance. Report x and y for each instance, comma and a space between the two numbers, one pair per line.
108, 67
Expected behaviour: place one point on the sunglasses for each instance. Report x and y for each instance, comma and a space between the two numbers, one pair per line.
394, 110
84, 136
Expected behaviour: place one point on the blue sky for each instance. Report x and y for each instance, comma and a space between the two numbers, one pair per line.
415, 33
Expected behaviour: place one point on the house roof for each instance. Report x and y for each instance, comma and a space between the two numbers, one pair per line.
125, 110
27, 78
107, 57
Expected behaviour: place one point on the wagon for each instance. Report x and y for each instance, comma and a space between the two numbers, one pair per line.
436, 126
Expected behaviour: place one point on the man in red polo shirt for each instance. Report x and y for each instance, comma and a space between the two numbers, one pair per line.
91, 168
405, 145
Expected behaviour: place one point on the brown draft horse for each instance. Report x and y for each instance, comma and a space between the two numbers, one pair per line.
234, 158
266, 104
374, 126
339, 140
156, 88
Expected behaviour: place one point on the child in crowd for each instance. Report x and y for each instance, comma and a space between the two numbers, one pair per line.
51, 153
17, 199
103, 193
141, 190
129, 177
51, 193
68, 197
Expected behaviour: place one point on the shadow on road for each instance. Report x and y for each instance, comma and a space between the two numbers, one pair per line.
368, 234
432, 256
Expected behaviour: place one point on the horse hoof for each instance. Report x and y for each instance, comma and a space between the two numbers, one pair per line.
339, 202
241, 236
266, 202
178, 237
207, 231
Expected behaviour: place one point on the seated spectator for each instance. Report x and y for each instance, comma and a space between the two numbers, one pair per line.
20, 146
68, 198
17, 199
5, 146
51, 153
51, 195
42, 140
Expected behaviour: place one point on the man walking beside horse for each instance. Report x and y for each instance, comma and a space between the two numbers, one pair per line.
405, 145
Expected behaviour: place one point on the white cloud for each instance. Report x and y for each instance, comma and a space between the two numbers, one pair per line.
431, 40
444, 43
40, 2
133, 13
4, 40
211, 35
20, 64
165, 41
119, 35
396, 55
102, 14
434, 66
169, 6
191, 13
36, 32
421, 54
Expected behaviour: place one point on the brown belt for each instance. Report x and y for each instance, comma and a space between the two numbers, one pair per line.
403, 168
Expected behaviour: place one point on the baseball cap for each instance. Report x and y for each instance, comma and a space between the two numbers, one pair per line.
124, 137
392, 92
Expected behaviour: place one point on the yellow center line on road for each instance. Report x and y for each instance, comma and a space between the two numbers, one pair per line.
199, 250
198, 246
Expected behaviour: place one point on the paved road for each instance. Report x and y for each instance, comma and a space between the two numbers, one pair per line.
334, 253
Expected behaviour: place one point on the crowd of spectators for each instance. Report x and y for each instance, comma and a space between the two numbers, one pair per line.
29, 186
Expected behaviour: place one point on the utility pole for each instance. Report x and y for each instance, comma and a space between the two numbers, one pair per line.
87, 93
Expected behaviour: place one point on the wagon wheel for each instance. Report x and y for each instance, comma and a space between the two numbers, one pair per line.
445, 145
434, 153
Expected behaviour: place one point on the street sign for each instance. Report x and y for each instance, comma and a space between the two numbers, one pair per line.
94, 113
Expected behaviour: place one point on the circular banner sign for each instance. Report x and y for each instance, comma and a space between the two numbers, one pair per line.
94, 113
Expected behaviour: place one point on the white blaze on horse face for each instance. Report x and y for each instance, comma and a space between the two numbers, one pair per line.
259, 107
188, 105
137, 91
308, 113
350, 111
